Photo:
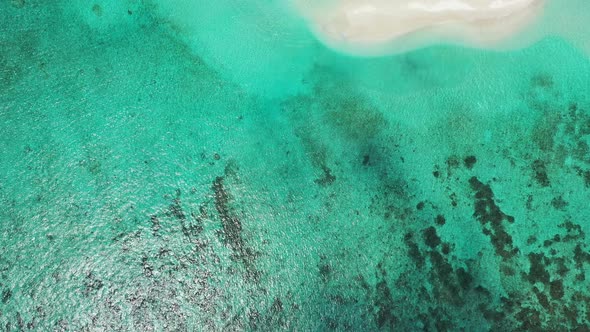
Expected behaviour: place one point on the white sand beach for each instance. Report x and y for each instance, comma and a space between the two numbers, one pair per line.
375, 27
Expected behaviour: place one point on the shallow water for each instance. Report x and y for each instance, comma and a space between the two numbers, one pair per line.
196, 168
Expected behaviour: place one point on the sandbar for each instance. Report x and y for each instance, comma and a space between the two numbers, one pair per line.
376, 27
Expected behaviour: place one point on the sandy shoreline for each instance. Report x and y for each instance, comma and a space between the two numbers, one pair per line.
374, 27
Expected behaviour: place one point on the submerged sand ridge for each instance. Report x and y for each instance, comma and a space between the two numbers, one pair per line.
384, 26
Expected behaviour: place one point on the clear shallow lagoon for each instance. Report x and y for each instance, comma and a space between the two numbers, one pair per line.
224, 171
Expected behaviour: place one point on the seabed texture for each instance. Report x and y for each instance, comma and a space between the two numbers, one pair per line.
151, 181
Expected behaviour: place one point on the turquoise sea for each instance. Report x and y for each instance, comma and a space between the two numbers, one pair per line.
209, 166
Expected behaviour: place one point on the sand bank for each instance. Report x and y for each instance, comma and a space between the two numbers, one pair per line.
374, 27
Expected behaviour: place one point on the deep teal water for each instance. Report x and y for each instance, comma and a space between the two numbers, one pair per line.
224, 171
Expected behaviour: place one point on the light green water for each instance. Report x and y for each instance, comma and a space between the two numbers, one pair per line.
224, 171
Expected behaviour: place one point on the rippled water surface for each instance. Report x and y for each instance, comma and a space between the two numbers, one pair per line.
210, 166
